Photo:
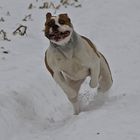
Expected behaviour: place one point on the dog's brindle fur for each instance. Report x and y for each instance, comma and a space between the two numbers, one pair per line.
71, 63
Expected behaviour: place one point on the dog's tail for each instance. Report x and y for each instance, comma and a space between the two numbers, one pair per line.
105, 80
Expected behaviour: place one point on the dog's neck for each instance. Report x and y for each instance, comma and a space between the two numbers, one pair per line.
68, 49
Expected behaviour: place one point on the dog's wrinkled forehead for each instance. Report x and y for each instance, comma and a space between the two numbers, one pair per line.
61, 19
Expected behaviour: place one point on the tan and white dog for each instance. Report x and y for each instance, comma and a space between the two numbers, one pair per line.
72, 57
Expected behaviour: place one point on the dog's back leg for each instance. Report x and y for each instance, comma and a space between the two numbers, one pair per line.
105, 79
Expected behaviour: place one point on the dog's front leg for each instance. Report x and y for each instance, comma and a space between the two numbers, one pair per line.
70, 92
94, 73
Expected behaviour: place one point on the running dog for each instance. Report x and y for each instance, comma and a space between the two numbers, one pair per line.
71, 57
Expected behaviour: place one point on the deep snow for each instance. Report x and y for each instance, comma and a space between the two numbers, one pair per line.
33, 107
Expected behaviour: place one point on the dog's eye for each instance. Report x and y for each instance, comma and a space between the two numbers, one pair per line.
61, 21
50, 23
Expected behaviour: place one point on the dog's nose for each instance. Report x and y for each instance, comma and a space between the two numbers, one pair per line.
55, 27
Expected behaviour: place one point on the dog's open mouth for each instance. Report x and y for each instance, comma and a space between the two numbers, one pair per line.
57, 36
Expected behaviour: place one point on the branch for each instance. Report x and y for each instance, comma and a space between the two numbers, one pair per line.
45, 5
2, 19
30, 6
28, 17
21, 30
4, 35
8, 13
64, 2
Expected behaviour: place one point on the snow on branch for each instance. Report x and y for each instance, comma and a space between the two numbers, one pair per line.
3, 35
28, 17
47, 5
31, 6
2, 19
21, 30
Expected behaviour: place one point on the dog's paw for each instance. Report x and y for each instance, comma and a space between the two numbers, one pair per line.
76, 108
93, 83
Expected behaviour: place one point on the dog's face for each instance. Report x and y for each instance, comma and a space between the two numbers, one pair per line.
58, 29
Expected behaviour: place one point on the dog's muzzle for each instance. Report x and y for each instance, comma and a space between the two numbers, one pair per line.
57, 35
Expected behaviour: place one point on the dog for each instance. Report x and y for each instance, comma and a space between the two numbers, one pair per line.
71, 58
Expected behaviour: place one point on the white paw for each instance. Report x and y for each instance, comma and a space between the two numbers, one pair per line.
93, 83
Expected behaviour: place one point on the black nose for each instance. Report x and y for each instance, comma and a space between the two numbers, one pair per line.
55, 27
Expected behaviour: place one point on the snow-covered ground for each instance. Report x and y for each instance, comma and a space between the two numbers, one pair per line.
33, 107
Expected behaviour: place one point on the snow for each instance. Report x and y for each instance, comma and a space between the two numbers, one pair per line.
33, 106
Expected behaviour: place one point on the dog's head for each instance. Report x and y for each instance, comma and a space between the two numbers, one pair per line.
58, 29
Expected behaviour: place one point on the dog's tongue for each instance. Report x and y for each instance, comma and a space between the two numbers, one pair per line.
57, 38
59, 35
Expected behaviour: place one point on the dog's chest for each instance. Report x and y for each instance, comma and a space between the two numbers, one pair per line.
72, 67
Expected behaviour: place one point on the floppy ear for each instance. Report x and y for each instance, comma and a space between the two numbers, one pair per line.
65, 16
48, 15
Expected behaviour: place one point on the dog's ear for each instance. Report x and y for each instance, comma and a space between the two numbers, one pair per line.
48, 15
65, 17
65, 14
